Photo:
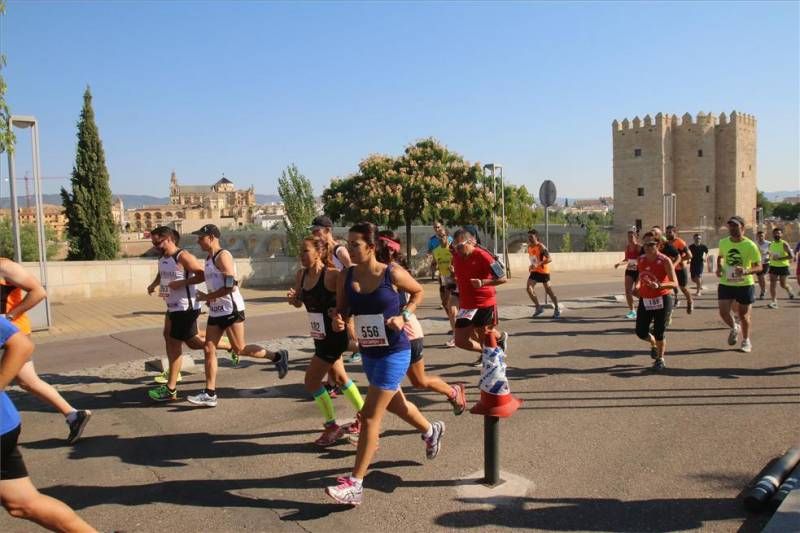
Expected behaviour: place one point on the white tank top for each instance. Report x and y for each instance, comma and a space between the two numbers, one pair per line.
215, 280
763, 247
337, 263
176, 299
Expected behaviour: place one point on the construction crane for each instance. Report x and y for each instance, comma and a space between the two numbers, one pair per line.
28, 179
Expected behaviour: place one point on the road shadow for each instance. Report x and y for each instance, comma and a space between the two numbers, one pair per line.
585, 514
231, 493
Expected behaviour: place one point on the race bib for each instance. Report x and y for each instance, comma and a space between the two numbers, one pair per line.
653, 304
371, 330
163, 291
317, 324
732, 275
466, 313
632, 264
534, 261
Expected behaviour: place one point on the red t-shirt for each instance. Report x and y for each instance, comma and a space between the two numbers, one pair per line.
655, 270
474, 266
680, 245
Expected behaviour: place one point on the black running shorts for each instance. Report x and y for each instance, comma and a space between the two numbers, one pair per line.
224, 322
183, 324
11, 464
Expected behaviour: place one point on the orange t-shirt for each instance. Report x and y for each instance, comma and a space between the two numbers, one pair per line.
680, 245
537, 254
10, 297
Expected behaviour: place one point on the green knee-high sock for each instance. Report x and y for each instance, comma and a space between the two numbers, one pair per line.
351, 391
323, 401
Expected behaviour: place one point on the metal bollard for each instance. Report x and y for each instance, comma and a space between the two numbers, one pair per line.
491, 451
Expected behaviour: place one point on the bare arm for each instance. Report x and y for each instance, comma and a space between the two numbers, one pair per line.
34, 292
293, 296
344, 257
18, 350
152, 287
224, 263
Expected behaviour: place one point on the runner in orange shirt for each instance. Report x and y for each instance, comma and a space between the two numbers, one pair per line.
540, 273
685, 256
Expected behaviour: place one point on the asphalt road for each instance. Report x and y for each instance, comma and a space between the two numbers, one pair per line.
605, 444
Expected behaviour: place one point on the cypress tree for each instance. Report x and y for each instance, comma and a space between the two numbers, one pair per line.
90, 227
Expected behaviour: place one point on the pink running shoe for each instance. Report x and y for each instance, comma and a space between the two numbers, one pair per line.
347, 491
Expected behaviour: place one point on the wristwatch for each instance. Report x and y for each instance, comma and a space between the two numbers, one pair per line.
406, 315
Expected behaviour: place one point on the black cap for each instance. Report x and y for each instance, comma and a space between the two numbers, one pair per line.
209, 229
322, 221
736, 219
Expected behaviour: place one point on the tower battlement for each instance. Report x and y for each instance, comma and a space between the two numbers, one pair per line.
686, 120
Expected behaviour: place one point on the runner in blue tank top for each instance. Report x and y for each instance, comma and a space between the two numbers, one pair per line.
369, 292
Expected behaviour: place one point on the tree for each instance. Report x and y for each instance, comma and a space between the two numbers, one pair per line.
786, 211
91, 231
298, 202
6, 134
28, 237
764, 203
596, 238
566, 243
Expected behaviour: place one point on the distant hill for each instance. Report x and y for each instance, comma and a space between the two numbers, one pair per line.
777, 196
129, 200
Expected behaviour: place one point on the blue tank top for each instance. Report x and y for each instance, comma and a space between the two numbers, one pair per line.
9, 417
385, 300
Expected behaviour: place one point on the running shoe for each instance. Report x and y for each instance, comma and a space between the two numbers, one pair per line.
761, 296
773, 304
653, 352
333, 390
434, 443
791, 295
451, 343
733, 335
747, 346
354, 427
557, 312
631, 315
162, 394
459, 402
204, 399
347, 491
163, 378
330, 435
354, 357
539, 310
234, 358
689, 307
282, 363
659, 364
79, 422
502, 342
479, 361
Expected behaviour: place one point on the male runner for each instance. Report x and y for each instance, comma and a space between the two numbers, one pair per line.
780, 255
14, 279
738, 260
176, 267
699, 251
477, 273
763, 247
684, 256
539, 269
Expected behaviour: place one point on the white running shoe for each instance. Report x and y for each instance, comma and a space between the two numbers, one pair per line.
747, 346
733, 335
347, 491
203, 399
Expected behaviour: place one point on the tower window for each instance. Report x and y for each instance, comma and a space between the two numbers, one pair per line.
708, 188
640, 191
742, 173
699, 153
637, 152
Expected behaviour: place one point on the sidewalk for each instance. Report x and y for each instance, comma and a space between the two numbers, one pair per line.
102, 316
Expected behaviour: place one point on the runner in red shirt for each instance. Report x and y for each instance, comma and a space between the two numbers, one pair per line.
477, 273
685, 256
654, 288
632, 252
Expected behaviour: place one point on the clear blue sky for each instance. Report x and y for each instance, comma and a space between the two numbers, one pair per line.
247, 88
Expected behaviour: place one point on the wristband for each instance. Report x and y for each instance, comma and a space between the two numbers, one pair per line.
406, 314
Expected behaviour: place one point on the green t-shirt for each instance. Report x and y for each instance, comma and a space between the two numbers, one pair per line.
443, 258
778, 249
743, 254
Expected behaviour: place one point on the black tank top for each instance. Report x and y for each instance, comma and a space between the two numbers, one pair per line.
318, 299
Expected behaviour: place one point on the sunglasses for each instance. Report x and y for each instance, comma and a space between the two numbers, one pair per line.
650, 243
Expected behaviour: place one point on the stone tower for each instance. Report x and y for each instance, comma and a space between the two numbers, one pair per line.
709, 163
174, 190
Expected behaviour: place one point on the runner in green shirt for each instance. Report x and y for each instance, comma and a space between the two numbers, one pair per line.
780, 255
739, 258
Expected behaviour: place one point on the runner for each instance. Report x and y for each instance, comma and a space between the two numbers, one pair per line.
797, 260
225, 315
322, 227
763, 247
176, 267
780, 255
315, 286
738, 260
477, 273
632, 253
20, 498
656, 279
697, 265
14, 306
539, 269
684, 256
443, 256
389, 253
368, 290
439, 235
